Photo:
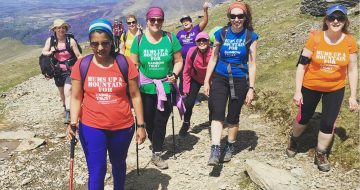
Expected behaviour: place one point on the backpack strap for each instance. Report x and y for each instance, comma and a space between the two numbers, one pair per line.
139, 39
123, 66
84, 67
192, 58
53, 41
248, 40
223, 33
125, 36
169, 36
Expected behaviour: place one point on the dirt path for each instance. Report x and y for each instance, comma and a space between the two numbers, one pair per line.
35, 106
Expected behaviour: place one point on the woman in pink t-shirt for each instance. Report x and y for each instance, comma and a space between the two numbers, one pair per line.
101, 108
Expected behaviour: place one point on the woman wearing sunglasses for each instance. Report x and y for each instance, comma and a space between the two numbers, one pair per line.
232, 73
194, 72
101, 105
128, 36
157, 55
327, 57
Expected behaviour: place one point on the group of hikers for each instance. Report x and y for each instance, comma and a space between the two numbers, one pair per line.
110, 87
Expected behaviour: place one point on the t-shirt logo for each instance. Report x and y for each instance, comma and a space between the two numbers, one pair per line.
104, 88
329, 60
156, 59
233, 46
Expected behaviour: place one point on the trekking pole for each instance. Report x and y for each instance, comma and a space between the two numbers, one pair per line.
137, 149
172, 121
72, 153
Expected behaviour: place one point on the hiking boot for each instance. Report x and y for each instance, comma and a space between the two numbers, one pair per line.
158, 161
184, 128
214, 156
67, 117
321, 161
229, 150
291, 150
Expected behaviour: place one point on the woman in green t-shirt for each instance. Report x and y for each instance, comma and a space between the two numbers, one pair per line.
157, 55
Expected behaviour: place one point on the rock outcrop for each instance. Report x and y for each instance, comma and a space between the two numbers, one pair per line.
318, 7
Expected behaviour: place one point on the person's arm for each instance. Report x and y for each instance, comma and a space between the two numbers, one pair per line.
300, 71
211, 66
75, 48
178, 64
75, 106
353, 78
47, 50
252, 72
135, 59
138, 108
205, 20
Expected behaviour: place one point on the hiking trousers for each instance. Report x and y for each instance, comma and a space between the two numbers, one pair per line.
96, 143
331, 104
191, 98
155, 119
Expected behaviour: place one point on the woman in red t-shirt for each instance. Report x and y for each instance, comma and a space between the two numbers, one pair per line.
321, 74
100, 103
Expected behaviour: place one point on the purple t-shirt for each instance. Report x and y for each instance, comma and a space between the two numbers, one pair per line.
187, 39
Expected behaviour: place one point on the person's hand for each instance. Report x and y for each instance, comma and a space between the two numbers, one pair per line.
47, 77
206, 88
298, 99
171, 78
353, 104
206, 5
140, 135
71, 131
249, 97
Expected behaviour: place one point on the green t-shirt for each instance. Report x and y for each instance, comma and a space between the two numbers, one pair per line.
156, 60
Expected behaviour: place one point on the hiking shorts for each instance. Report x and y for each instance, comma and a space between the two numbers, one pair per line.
63, 79
219, 96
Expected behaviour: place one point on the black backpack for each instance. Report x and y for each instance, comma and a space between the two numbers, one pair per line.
68, 36
48, 66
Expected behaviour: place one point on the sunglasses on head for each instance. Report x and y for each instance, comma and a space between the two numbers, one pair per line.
103, 44
239, 16
340, 18
202, 40
158, 20
132, 22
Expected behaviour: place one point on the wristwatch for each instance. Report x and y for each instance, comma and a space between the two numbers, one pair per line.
176, 76
141, 126
251, 87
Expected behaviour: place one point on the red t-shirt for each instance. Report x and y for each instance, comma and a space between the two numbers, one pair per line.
105, 103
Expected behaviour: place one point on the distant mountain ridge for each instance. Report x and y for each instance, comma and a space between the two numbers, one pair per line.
29, 21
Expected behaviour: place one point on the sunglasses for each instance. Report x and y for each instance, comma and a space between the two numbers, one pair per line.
332, 18
104, 44
203, 40
61, 27
158, 20
132, 22
239, 16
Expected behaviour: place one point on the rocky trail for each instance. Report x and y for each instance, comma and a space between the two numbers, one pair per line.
34, 106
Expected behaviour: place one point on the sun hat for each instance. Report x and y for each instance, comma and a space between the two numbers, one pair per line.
58, 23
202, 35
101, 24
336, 7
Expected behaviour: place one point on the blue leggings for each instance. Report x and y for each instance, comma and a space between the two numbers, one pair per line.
96, 143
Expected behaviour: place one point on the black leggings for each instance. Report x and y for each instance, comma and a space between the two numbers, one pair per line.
191, 98
331, 103
156, 120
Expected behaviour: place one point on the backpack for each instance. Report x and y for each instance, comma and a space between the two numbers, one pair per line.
121, 63
68, 36
48, 66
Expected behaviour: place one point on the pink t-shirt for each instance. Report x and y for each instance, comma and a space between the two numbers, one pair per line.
105, 102
200, 64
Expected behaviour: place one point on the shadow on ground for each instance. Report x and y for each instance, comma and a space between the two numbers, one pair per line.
149, 178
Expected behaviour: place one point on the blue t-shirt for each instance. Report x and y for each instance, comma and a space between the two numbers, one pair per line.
187, 39
233, 50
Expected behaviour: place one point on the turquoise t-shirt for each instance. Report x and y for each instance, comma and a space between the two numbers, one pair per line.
156, 60
233, 50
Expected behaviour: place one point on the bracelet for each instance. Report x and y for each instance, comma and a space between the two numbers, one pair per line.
252, 88
141, 126
176, 76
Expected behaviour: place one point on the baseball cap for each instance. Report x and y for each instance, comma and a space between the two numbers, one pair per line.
336, 7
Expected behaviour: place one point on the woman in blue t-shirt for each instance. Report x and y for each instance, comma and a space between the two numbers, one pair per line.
232, 72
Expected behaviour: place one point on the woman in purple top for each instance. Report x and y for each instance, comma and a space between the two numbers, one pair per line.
187, 35
194, 73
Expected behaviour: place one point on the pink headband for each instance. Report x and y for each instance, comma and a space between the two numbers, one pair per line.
154, 12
